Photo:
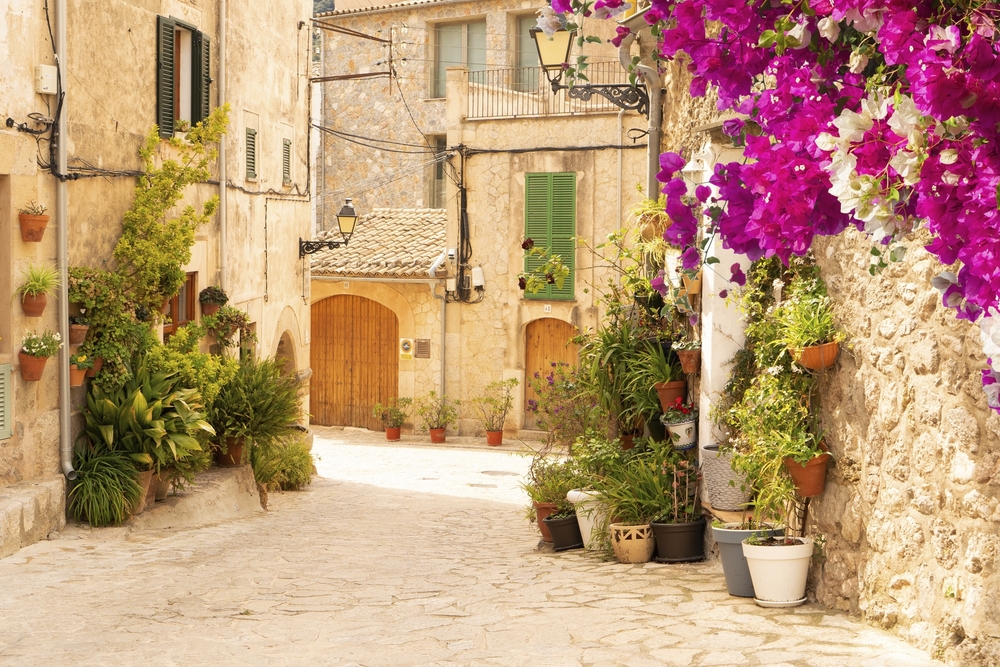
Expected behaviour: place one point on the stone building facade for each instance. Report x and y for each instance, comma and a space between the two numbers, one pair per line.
110, 103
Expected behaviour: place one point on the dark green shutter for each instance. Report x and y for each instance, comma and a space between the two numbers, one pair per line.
6, 401
165, 59
550, 221
251, 153
286, 162
201, 77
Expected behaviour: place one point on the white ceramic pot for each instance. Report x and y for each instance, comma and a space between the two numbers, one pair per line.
633, 544
779, 572
684, 434
589, 512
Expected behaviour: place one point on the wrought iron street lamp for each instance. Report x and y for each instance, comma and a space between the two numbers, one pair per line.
347, 218
553, 54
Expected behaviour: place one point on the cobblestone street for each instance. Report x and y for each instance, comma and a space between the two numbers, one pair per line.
430, 562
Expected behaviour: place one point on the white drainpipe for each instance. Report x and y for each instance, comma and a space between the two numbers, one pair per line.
62, 250
222, 149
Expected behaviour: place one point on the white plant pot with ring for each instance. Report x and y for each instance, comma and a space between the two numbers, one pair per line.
590, 512
779, 572
683, 435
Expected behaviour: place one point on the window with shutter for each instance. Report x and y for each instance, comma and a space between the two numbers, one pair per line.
200, 77
6, 402
286, 162
165, 61
550, 221
183, 65
251, 154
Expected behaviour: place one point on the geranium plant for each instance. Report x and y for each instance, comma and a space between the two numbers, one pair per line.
679, 411
41, 345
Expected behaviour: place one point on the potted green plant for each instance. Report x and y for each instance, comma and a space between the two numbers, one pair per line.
392, 415
37, 282
689, 354
35, 352
79, 325
106, 487
681, 422
211, 299
226, 323
807, 325
680, 526
436, 414
549, 481
493, 407
78, 365
634, 495
608, 361
259, 407
33, 221
657, 371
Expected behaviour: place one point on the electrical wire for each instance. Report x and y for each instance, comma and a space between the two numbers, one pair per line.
365, 138
374, 183
338, 135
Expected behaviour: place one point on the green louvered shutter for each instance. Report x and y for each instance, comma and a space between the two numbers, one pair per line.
251, 154
6, 401
200, 77
550, 221
562, 232
165, 59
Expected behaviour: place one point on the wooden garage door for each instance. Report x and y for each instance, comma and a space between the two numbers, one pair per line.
546, 341
354, 359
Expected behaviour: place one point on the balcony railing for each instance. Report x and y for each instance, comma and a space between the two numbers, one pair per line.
520, 92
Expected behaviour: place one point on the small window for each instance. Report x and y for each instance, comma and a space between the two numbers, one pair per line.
286, 162
457, 45
526, 53
251, 154
182, 75
180, 309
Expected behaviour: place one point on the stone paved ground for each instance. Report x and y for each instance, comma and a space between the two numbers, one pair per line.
430, 563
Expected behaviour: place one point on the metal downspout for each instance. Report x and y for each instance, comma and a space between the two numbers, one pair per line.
444, 305
223, 249
62, 248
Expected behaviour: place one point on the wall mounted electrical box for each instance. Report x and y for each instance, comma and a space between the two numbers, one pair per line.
45, 79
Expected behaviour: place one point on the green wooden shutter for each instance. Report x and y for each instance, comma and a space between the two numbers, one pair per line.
537, 190
286, 162
6, 401
200, 77
562, 232
251, 153
165, 59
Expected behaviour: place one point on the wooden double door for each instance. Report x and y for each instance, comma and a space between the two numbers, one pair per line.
355, 360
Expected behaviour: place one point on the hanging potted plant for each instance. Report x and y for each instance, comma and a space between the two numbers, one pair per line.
547, 484
211, 299
33, 221
78, 328
392, 415
805, 458
35, 351
37, 282
493, 407
807, 326
681, 422
689, 354
656, 370
680, 526
78, 365
436, 414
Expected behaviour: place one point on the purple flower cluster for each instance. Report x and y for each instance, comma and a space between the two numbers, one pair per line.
881, 114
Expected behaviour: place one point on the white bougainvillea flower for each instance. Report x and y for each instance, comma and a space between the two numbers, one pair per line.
829, 29
800, 36
858, 62
944, 39
549, 21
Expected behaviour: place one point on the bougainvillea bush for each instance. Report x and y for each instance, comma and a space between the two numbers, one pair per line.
883, 115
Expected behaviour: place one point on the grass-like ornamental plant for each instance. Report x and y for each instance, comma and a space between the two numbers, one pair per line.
806, 315
393, 413
37, 280
258, 404
106, 488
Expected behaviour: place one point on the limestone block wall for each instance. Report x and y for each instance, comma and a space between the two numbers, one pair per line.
910, 512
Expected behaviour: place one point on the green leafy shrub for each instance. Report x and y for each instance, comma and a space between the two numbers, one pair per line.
393, 413
549, 480
213, 294
207, 373
436, 411
495, 403
288, 467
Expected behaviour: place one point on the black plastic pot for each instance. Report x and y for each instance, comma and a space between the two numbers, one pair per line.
565, 533
680, 542
734, 563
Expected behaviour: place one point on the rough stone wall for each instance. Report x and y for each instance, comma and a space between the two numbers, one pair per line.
910, 510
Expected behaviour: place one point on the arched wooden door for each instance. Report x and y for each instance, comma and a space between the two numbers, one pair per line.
546, 341
354, 360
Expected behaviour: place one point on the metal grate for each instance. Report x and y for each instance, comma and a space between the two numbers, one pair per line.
6, 400
524, 91
251, 154
286, 162
423, 350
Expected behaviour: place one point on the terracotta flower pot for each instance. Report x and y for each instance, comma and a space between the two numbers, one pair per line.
76, 375
233, 455
98, 365
209, 309
494, 438
145, 481
437, 435
33, 305
543, 510
817, 357
810, 477
627, 441
31, 367
392, 433
163, 480
690, 360
32, 227
692, 284
78, 333
632, 544
670, 392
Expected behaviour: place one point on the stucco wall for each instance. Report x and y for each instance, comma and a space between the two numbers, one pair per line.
910, 510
